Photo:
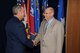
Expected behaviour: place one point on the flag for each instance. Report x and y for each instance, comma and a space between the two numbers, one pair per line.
36, 15
28, 12
33, 15
19, 2
30, 20
44, 4
60, 15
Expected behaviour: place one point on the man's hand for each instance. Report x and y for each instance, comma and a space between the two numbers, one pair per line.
34, 42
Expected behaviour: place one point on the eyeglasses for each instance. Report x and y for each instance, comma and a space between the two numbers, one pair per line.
47, 13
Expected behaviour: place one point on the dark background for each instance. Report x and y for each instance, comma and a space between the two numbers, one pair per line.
6, 14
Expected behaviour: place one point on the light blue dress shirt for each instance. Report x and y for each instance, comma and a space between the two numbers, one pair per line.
49, 22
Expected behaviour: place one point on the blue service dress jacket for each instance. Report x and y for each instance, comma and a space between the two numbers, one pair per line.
17, 41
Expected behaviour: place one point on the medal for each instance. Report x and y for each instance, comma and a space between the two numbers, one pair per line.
28, 36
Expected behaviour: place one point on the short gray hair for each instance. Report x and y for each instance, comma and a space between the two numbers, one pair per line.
51, 9
15, 9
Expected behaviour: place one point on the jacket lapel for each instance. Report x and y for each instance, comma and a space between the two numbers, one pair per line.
51, 26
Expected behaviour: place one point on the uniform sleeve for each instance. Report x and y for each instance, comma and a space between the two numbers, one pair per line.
20, 34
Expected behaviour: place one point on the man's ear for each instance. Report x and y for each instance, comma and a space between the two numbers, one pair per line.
18, 11
52, 14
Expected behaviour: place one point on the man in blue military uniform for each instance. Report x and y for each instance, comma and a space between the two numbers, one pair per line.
17, 41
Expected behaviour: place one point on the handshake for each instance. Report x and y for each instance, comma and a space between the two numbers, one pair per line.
35, 38
34, 43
